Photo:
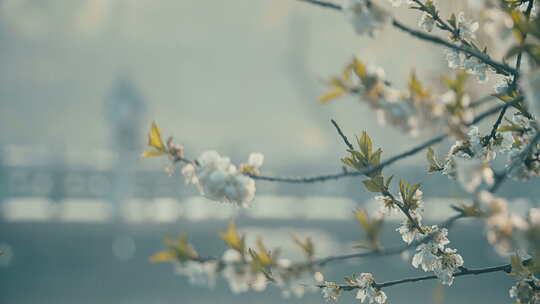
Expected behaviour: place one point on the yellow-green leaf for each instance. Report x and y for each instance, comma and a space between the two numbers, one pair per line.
371, 186
154, 138
233, 238
362, 217
162, 256
365, 144
152, 153
306, 246
331, 95
359, 68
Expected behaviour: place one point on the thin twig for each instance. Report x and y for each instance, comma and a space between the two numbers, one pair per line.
493, 132
323, 4
513, 87
345, 140
520, 54
463, 272
516, 162
498, 66
389, 251
389, 161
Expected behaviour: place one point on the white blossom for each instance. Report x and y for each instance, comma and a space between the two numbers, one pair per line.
503, 86
408, 230
238, 276
455, 58
466, 28
426, 22
476, 67
471, 172
331, 292
256, 160
523, 292
365, 18
427, 253
449, 261
425, 258
368, 291
202, 274
218, 179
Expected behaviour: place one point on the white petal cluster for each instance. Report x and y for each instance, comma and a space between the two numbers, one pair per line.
457, 59
367, 290
476, 67
472, 65
199, 273
219, 180
466, 28
241, 276
331, 292
500, 223
426, 22
503, 86
524, 292
471, 172
469, 160
449, 261
433, 256
408, 230
365, 17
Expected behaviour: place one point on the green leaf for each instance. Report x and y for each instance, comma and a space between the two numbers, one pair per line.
388, 181
412, 191
371, 186
233, 238
518, 270
154, 138
375, 158
306, 246
365, 144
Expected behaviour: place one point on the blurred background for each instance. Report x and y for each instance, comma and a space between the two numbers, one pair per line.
80, 212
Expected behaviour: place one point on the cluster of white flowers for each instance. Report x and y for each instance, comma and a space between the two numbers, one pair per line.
433, 256
426, 22
473, 65
466, 29
500, 224
468, 161
526, 291
199, 273
408, 229
219, 180
509, 234
241, 276
366, 17
368, 291
331, 292
456, 59
398, 3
